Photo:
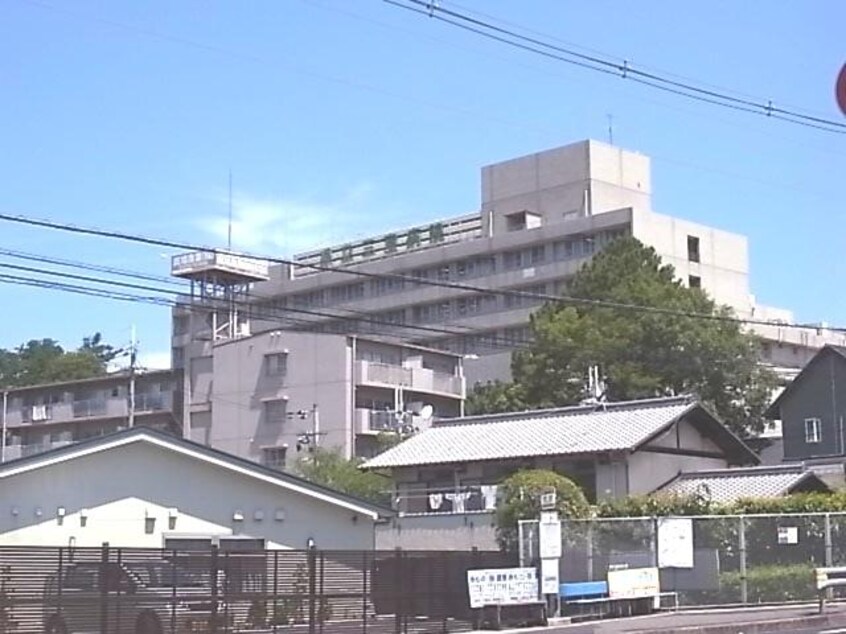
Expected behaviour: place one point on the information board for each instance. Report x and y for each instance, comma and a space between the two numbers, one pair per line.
633, 583
502, 586
675, 542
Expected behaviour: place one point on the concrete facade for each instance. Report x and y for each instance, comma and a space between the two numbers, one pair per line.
163, 488
541, 218
43, 417
272, 396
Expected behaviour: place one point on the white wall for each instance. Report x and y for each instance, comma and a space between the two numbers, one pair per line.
121, 486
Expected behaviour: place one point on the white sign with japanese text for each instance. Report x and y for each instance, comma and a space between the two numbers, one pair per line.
502, 586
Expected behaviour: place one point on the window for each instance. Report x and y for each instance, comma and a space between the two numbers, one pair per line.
275, 411
693, 248
813, 432
276, 364
274, 457
694, 281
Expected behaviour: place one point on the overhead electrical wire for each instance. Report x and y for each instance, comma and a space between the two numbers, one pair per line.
558, 299
607, 66
250, 306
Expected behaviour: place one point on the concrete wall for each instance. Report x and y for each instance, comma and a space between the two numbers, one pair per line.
438, 532
318, 372
123, 487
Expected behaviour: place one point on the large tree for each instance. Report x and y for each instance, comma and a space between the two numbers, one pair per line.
45, 361
681, 342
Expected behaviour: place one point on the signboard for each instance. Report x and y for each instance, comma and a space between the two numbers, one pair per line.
502, 586
549, 576
633, 583
675, 542
550, 535
788, 535
547, 500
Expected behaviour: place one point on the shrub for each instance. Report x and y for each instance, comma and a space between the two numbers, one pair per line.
765, 584
520, 495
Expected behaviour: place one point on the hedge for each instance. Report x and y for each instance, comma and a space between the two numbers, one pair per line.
764, 584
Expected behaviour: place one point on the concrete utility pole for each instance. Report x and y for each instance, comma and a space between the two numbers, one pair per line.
133, 356
3, 440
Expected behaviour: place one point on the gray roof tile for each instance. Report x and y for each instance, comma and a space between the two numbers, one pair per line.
569, 430
730, 485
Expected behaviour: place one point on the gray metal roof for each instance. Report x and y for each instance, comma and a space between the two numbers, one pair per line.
730, 485
569, 430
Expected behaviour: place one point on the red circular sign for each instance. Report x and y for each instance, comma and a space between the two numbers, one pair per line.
841, 89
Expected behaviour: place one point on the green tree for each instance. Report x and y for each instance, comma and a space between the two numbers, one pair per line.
520, 499
45, 361
642, 354
329, 468
496, 396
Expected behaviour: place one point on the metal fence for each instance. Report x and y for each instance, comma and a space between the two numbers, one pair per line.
147, 591
737, 559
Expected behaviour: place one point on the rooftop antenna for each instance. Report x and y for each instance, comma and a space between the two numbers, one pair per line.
229, 229
610, 129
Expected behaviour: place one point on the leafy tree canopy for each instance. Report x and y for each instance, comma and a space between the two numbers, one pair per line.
641, 354
329, 468
45, 361
520, 499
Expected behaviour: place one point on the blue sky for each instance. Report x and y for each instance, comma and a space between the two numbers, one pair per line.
341, 118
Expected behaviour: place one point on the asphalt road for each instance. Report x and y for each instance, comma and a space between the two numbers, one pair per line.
803, 619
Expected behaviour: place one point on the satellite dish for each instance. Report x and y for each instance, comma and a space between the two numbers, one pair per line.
427, 411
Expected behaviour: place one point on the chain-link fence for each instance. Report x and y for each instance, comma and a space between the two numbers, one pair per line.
731, 559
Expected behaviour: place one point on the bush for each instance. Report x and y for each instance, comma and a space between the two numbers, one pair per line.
765, 584
521, 500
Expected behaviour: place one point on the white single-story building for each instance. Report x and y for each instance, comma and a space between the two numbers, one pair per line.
143, 488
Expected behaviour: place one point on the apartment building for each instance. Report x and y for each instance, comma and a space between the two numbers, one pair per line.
43, 417
274, 396
541, 218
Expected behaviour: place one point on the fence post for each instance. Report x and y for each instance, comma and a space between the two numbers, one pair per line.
214, 563
829, 558
312, 589
104, 597
271, 610
653, 540
741, 534
365, 569
398, 596
589, 548
173, 597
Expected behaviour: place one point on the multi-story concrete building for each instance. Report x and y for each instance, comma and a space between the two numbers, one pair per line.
43, 417
274, 395
541, 218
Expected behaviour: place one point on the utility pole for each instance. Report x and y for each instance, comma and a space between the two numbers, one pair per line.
133, 356
5, 410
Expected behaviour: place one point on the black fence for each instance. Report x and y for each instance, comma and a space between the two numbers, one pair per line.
153, 591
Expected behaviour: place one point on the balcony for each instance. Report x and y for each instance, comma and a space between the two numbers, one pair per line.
470, 499
372, 421
417, 379
153, 402
90, 407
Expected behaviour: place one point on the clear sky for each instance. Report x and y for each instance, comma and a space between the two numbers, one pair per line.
339, 118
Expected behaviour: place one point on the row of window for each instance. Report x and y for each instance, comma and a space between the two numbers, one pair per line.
55, 398
460, 270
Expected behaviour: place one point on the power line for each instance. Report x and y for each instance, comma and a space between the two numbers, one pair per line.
492, 340
625, 70
558, 299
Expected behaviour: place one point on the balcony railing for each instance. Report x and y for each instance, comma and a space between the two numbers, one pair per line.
419, 379
374, 421
471, 499
89, 407
153, 402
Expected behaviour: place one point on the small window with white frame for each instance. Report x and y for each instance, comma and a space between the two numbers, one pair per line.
813, 430
276, 364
